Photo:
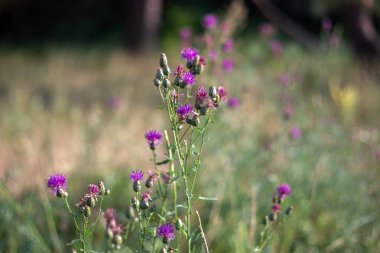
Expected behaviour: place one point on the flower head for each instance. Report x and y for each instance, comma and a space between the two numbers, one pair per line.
222, 92
276, 47
228, 45
56, 182
201, 93
210, 21
109, 215
166, 231
153, 138
93, 189
267, 29
145, 196
233, 102
284, 79
283, 190
228, 65
189, 54
295, 133
184, 110
188, 78
136, 175
276, 208
185, 33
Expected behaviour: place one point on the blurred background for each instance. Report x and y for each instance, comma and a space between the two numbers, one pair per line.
76, 97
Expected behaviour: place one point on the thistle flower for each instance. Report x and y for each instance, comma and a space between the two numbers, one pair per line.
228, 65
276, 47
153, 176
136, 175
276, 208
210, 21
284, 79
183, 111
153, 138
145, 196
266, 29
228, 45
283, 190
222, 92
201, 94
295, 133
188, 78
189, 54
93, 189
166, 231
233, 102
57, 182
185, 34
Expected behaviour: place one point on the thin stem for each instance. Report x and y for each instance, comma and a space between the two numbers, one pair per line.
96, 221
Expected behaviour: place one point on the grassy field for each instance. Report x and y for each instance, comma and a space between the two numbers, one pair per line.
84, 113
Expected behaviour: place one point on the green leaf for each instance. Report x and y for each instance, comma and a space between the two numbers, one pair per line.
163, 162
74, 241
207, 198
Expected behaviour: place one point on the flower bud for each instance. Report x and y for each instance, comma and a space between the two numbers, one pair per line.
289, 210
203, 110
156, 82
198, 69
165, 240
266, 220
118, 240
108, 192
163, 60
144, 205
196, 60
189, 65
90, 202
134, 202
102, 188
61, 193
276, 199
171, 250
109, 233
163, 250
136, 186
87, 211
272, 216
149, 182
160, 74
166, 70
130, 213
216, 100
166, 83
178, 224
212, 92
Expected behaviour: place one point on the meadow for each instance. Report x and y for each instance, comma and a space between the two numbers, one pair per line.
308, 119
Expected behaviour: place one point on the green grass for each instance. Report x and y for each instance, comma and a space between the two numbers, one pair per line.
54, 117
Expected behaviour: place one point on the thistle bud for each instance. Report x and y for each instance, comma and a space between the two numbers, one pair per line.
178, 224
165, 240
198, 69
178, 82
87, 211
166, 70
156, 82
136, 186
134, 202
102, 188
189, 65
166, 83
276, 199
130, 213
163, 250
163, 60
196, 60
289, 210
160, 74
216, 100
203, 110
171, 250
90, 202
118, 240
109, 233
212, 92
272, 216
61, 193
266, 220
149, 182
108, 192
144, 205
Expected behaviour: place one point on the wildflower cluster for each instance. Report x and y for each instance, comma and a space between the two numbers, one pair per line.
114, 230
83, 219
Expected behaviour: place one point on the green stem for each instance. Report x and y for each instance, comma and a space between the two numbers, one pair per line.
95, 222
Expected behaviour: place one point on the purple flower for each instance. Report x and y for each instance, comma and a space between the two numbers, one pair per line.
185, 33
233, 102
213, 54
210, 21
93, 190
56, 182
295, 133
276, 208
166, 231
222, 92
188, 78
136, 175
145, 196
276, 47
266, 29
326, 25
153, 138
287, 111
189, 54
114, 102
228, 45
283, 190
109, 215
284, 79
201, 93
228, 65
183, 111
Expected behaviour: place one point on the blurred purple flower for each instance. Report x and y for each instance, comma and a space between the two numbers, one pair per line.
166, 231
276, 208
56, 182
188, 78
183, 111
283, 190
266, 29
228, 65
287, 111
145, 196
228, 45
201, 93
136, 175
93, 190
114, 102
185, 33
233, 102
276, 47
210, 21
213, 54
326, 25
295, 133
222, 92
189, 54
284, 79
